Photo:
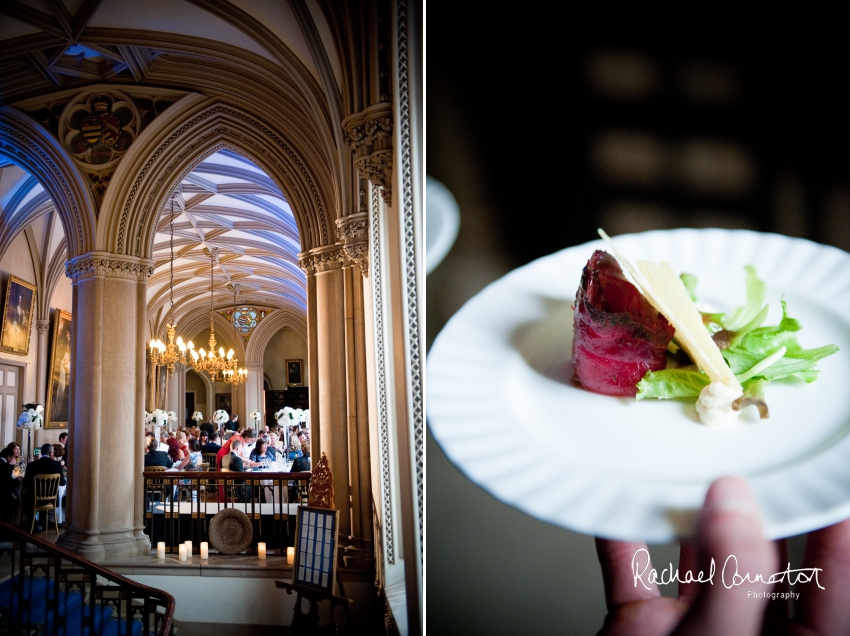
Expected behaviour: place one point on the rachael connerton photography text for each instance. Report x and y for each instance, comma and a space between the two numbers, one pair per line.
730, 576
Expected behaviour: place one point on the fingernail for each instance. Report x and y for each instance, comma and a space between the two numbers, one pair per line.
730, 494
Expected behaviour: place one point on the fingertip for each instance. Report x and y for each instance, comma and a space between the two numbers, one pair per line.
730, 494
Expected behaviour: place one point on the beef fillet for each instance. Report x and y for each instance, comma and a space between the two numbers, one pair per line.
618, 335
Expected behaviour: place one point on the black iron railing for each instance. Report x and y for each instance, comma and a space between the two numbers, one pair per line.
180, 505
45, 589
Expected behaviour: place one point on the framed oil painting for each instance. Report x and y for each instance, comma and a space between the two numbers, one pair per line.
294, 373
17, 317
59, 380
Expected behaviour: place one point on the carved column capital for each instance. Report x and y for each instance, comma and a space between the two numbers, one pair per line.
42, 326
255, 366
106, 265
369, 134
321, 259
353, 231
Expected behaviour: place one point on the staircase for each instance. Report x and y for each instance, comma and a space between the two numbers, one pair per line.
47, 590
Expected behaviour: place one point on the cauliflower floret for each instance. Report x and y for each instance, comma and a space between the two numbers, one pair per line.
715, 404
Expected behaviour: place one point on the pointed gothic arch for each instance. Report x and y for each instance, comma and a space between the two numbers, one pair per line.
189, 131
269, 326
32, 147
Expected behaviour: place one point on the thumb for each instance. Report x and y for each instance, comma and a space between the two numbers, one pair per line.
730, 532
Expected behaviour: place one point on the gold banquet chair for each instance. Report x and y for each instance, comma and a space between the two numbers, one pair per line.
45, 492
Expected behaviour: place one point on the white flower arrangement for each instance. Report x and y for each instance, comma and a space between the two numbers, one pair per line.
159, 417
292, 416
220, 416
172, 416
255, 415
197, 416
147, 418
32, 418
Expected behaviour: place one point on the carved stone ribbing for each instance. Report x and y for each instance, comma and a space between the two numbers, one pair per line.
369, 134
108, 266
353, 231
321, 259
42, 325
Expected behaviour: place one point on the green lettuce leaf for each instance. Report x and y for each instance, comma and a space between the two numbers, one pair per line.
672, 383
756, 293
800, 364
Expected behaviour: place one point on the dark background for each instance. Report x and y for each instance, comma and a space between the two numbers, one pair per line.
545, 128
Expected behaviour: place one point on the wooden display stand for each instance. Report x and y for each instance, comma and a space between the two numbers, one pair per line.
314, 574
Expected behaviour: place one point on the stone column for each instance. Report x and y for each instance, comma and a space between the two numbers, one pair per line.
254, 392
354, 232
175, 390
43, 326
331, 387
108, 368
312, 359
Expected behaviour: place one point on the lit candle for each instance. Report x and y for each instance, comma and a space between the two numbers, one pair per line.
188, 545
290, 556
160, 550
181, 552
261, 551
205, 550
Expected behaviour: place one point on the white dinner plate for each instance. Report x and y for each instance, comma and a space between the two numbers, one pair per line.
501, 403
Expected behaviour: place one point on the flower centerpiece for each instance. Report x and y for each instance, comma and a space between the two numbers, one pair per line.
31, 419
255, 415
172, 416
197, 416
147, 418
289, 415
220, 417
159, 417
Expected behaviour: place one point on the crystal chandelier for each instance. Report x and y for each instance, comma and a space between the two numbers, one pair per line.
173, 353
208, 361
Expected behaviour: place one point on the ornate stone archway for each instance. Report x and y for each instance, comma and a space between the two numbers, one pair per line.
33, 148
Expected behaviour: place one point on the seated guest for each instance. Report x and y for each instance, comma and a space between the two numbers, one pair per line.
174, 451
15, 457
302, 464
182, 439
260, 454
44, 465
223, 456
208, 427
294, 443
193, 459
237, 465
202, 437
212, 445
271, 451
63, 439
10, 487
155, 457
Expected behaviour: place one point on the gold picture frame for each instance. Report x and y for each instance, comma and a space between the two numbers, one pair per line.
17, 317
294, 372
59, 387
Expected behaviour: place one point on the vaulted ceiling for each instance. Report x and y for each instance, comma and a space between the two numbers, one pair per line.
53, 49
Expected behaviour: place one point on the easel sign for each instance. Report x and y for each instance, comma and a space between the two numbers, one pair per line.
315, 552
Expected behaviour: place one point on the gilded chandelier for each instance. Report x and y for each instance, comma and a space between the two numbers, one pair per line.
211, 362
173, 353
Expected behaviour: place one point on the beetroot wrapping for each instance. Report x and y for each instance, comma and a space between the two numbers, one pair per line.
618, 335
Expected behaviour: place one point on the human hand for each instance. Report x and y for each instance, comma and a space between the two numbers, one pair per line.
729, 524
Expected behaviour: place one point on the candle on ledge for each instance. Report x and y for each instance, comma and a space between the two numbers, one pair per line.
188, 545
290, 556
261, 551
205, 550
181, 551
160, 550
